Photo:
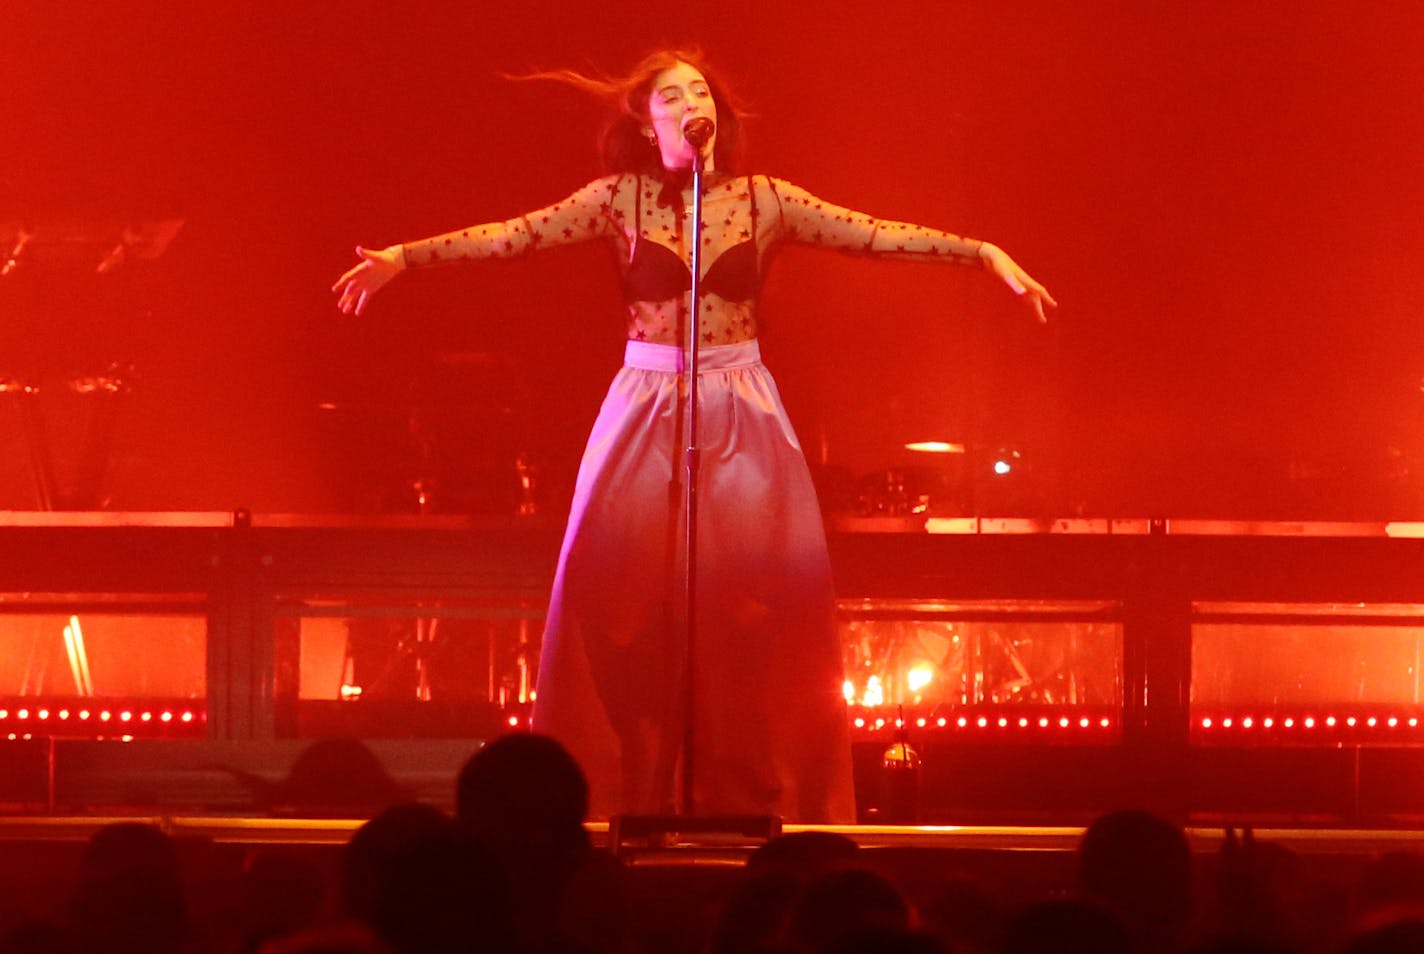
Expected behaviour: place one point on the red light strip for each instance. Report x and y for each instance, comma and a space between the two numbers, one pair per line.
1377, 721
36, 719
869, 720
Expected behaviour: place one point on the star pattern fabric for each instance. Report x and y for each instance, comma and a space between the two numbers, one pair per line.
627, 209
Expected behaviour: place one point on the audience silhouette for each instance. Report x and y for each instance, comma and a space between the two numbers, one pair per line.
1139, 866
129, 898
514, 871
524, 799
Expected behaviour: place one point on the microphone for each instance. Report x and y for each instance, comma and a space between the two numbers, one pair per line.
698, 131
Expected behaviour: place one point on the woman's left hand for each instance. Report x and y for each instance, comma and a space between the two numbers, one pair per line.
1020, 282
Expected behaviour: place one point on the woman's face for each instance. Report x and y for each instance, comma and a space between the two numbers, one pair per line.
678, 95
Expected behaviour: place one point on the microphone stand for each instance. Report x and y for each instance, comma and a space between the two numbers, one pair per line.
623, 828
693, 466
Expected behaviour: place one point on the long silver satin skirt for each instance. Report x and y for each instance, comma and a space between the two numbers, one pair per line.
769, 718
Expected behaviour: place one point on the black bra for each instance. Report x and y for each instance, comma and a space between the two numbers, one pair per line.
657, 273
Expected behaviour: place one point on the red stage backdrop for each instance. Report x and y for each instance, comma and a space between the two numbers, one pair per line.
1224, 196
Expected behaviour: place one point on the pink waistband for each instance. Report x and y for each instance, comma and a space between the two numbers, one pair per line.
672, 358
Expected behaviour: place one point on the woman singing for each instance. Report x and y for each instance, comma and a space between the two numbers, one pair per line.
769, 721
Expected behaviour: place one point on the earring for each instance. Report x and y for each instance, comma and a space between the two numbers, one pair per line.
652, 139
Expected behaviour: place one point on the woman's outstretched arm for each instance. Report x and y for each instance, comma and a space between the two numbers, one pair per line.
806, 218
587, 214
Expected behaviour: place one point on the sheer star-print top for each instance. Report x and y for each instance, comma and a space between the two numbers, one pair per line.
745, 219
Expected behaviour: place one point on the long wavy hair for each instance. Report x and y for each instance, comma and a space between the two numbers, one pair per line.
624, 145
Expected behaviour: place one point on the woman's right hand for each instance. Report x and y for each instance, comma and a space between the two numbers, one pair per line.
355, 288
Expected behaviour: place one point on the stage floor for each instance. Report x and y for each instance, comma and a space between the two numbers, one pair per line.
255, 830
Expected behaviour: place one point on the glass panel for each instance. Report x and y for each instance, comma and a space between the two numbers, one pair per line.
1305, 663
106, 654
417, 658
996, 652
452, 670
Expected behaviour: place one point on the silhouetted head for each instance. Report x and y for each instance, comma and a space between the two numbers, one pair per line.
755, 915
964, 914
283, 891
1140, 866
337, 777
424, 886
129, 896
374, 847
804, 853
522, 789
842, 906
